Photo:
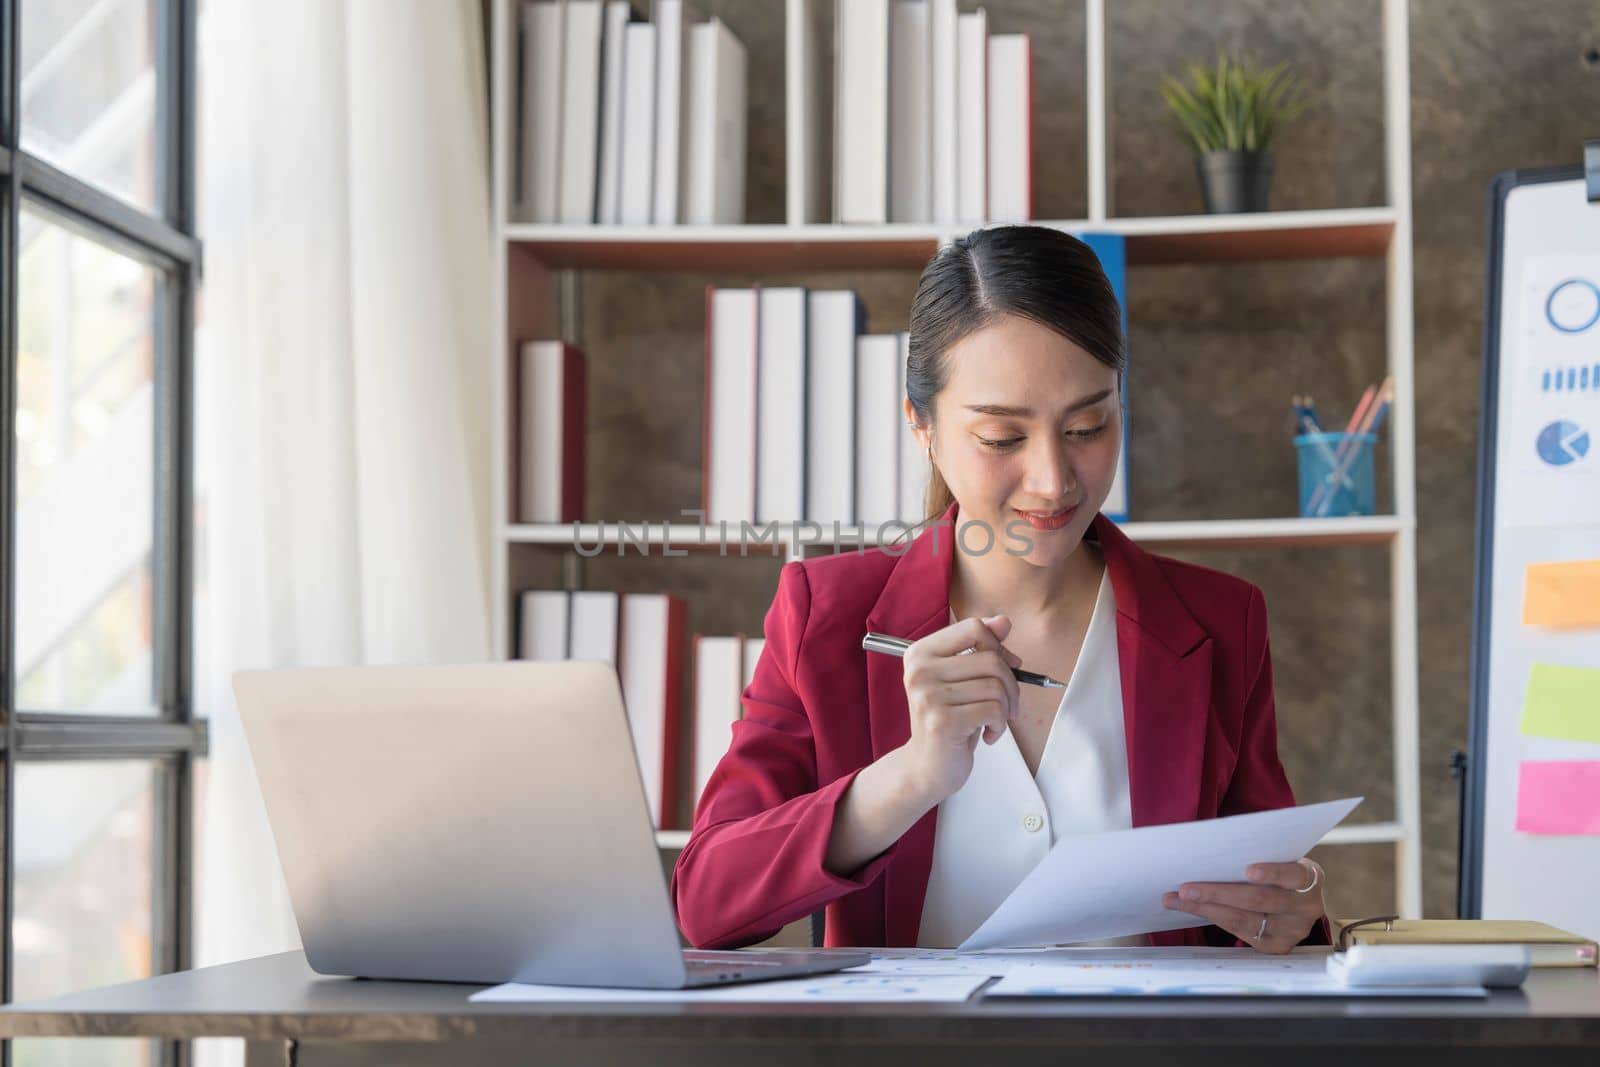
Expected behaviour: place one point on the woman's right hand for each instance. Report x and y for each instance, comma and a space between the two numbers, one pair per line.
955, 697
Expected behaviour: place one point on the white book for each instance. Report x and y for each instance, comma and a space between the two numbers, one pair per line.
913, 461
649, 689
833, 320
718, 683
715, 120
730, 461
910, 114
618, 14
580, 110
671, 42
877, 443
1010, 128
942, 116
861, 112
541, 430
803, 73
542, 625
638, 123
781, 412
642, 674
542, 38
972, 117
593, 622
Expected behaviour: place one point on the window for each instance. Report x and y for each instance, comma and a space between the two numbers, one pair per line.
98, 263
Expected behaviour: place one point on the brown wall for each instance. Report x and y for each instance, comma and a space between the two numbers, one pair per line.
1216, 350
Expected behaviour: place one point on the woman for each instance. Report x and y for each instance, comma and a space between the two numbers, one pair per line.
858, 783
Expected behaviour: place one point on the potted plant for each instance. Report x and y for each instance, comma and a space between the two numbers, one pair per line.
1231, 114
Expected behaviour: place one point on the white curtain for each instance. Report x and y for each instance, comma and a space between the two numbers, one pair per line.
343, 450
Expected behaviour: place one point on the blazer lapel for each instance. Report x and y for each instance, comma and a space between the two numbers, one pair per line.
915, 602
1164, 658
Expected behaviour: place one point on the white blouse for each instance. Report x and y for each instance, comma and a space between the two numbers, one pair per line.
993, 830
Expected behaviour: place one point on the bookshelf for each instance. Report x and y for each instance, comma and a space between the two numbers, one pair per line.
535, 296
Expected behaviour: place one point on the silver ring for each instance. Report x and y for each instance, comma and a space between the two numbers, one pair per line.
1316, 875
1263, 931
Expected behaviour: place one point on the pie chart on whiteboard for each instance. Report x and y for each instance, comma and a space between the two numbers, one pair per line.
1561, 443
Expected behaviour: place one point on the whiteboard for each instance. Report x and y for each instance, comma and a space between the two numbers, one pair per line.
1538, 502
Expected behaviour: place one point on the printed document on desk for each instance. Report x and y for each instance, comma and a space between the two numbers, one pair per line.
1240, 973
845, 987
939, 961
1096, 886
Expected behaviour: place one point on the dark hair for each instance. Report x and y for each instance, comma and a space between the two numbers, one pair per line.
1032, 272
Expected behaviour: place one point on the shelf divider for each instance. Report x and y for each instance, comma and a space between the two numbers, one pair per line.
1333, 234
1204, 533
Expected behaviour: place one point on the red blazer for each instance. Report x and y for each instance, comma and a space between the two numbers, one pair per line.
1197, 708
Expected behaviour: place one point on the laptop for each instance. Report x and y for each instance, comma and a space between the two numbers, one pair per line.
483, 823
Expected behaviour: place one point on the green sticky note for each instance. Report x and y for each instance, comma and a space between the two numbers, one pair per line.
1562, 702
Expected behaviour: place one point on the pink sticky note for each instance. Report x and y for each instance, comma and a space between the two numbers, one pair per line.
1559, 797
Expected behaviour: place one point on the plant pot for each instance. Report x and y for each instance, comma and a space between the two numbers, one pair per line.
1235, 181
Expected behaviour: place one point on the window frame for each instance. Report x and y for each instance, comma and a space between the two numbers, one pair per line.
175, 738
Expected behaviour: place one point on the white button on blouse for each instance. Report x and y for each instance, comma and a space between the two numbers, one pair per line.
987, 835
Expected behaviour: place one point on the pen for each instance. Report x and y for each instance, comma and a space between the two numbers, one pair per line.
1348, 448
1311, 413
1305, 414
1371, 421
896, 646
1310, 426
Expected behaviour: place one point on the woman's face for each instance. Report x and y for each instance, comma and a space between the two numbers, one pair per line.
1027, 430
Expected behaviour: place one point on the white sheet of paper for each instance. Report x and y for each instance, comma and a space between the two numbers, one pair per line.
1018, 961
1096, 886
1247, 974
845, 987
987, 964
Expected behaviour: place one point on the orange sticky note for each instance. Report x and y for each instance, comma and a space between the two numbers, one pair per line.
1562, 594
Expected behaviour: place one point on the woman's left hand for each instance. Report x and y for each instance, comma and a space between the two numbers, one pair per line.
1273, 912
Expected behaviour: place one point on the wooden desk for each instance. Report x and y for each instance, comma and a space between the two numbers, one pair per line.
288, 1014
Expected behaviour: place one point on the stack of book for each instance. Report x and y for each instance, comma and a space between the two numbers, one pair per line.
932, 115
804, 416
1547, 945
642, 635
628, 122
723, 667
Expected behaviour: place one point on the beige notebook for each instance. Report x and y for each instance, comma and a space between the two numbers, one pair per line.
1547, 946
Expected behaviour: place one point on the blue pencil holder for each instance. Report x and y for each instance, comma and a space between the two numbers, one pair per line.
1335, 474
